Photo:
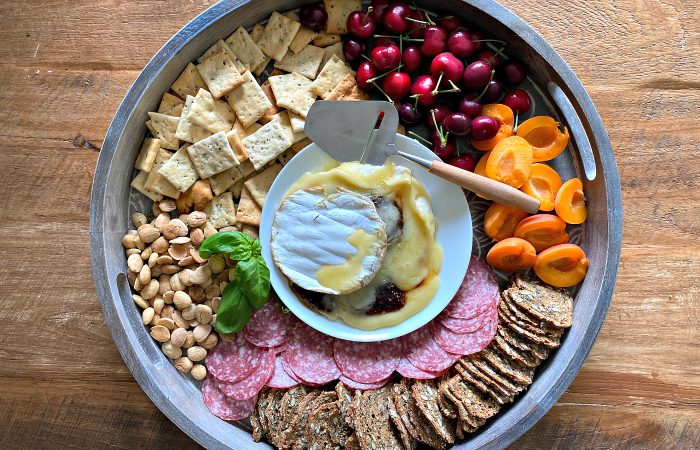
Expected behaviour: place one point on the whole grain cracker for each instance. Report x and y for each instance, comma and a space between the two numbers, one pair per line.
187, 130
249, 211
179, 170
221, 211
279, 33
293, 91
266, 144
168, 102
212, 114
306, 62
509, 368
259, 185
338, 12
245, 49
332, 73
248, 101
138, 184
425, 395
220, 73
212, 155
147, 154
164, 127
189, 82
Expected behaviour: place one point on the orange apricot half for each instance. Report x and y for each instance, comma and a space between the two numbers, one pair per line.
511, 255
542, 231
542, 132
480, 168
502, 113
500, 221
570, 202
543, 184
510, 161
563, 265
487, 144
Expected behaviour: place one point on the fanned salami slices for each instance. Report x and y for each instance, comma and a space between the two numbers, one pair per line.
268, 326
310, 355
408, 370
367, 362
362, 386
466, 343
423, 352
280, 379
463, 325
250, 385
231, 361
478, 292
222, 406
289, 371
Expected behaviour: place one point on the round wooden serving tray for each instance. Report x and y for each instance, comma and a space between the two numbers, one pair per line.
556, 91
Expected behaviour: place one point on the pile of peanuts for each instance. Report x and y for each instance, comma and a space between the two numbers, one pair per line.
178, 291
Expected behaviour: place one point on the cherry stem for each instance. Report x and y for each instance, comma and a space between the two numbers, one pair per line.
382, 91
369, 11
372, 80
517, 117
401, 38
455, 88
498, 52
415, 102
437, 85
419, 137
489, 40
438, 128
411, 19
493, 72
366, 57
394, 37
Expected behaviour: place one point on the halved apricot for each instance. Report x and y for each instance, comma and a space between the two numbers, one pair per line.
500, 221
542, 231
570, 202
543, 184
504, 131
500, 112
542, 132
563, 265
480, 168
510, 161
511, 255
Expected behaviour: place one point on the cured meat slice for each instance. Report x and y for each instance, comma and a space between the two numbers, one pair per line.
310, 355
231, 361
362, 386
408, 370
367, 362
463, 325
222, 406
250, 385
423, 352
289, 371
478, 292
280, 379
268, 326
466, 343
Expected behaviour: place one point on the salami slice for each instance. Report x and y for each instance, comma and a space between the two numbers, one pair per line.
423, 352
463, 325
222, 406
268, 326
367, 362
466, 343
231, 361
250, 385
362, 386
408, 370
310, 355
289, 371
280, 379
478, 292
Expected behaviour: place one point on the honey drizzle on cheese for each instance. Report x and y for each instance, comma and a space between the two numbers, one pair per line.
339, 276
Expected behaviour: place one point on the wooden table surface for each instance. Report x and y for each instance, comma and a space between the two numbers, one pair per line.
65, 65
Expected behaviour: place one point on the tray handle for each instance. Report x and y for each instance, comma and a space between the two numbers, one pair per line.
576, 127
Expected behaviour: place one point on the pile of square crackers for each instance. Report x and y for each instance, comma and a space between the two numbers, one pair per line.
221, 136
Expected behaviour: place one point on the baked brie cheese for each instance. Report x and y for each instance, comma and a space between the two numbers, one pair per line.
328, 243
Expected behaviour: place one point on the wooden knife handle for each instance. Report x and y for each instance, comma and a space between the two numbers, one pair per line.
486, 187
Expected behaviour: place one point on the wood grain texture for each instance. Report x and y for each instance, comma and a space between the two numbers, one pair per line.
64, 67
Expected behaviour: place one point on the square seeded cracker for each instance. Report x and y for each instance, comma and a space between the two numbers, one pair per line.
297, 122
176, 111
255, 34
147, 154
187, 130
259, 185
324, 39
220, 73
138, 184
305, 62
220, 45
245, 49
248, 210
236, 136
279, 33
303, 36
293, 91
338, 12
189, 82
168, 102
345, 90
331, 75
179, 170
212, 155
274, 109
335, 49
156, 181
222, 181
248, 101
266, 144
283, 118
221, 211
164, 127
212, 114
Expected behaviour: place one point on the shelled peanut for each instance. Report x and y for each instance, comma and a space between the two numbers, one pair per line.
177, 290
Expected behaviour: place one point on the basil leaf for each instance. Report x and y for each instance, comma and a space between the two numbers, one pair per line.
234, 311
256, 248
254, 278
236, 244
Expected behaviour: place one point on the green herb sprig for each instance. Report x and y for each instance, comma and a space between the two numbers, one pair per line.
251, 287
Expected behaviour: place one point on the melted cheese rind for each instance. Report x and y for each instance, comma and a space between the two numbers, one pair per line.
333, 244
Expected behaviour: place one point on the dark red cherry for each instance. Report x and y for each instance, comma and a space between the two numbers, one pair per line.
352, 49
513, 72
386, 58
385, 42
394, 17
411, 58
423, 88
365, 72
489, 57
361, 24
446, 64
484, 127
476, 75
434, 41
493, 91
409, 115
378, 7
450, 23
477, 37
444, 149
518, 100
396, 85
460, 44
416, 29
457, 123
464, 162
469, 105
441, 111
313, 16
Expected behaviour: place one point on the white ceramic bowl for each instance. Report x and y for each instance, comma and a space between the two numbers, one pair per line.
454, 234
